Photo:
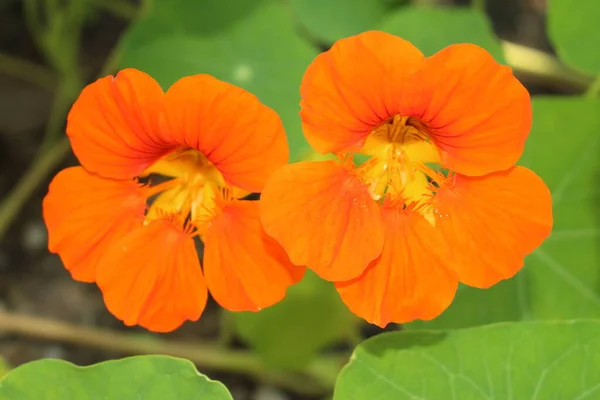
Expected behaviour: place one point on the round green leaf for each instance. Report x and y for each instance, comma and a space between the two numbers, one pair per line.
473, 307
573, 28
526, 360
142, 378
560, 279
432, 29
562, 275
292, 332
260, 52
330, 20
204, 17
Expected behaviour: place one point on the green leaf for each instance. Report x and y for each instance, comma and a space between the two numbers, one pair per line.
260, 52
142, 378
573, 28
432, 29
330, 20
534, 360
563, 274
472, 307
560, 279
204, 17
292, 332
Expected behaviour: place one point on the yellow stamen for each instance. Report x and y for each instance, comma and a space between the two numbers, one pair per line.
195, 194
396, 172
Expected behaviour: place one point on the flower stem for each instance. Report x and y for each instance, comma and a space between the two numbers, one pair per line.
39, 171
316, 379
544, 68
27, 71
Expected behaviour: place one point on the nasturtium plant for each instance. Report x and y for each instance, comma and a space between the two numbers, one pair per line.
140, 377
573, 29
431, 29
261, 52
291, 333
526, 360
559, 278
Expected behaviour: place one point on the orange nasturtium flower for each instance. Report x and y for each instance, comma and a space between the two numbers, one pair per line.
209, 143
397, 234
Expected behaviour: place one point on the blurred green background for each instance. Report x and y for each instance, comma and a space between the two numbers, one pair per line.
49, 49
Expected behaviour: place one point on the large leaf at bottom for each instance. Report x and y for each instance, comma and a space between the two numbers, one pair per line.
527, 360
261, 52
142, 378
561, 279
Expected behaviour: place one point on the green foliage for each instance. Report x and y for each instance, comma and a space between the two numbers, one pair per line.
560, 279
563, 274
535, 360
330, 20
142, 377
432, 29
255, 46
291, 333
573, 28
473, 307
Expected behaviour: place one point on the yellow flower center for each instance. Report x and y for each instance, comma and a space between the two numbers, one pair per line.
396, 171
195, 188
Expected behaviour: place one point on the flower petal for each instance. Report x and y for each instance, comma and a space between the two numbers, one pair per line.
352, 88
478, 113
241, 136
152, 277
245, 269
113, 125
85, 214
492, 222
411, 279
324, 218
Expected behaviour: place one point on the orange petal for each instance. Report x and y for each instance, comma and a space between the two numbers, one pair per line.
85, 214
410, 280
350, 89
478, 113
245, 269
492, 222
152, 277
113, 125
242, 137
324, 218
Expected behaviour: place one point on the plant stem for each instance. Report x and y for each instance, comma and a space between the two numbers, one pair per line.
37, 173
227, 328
27, 71
317, 379
544, 68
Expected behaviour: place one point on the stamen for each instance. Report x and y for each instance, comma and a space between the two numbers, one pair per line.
398, 131
347, 160
436, 176
161, 187
177, 219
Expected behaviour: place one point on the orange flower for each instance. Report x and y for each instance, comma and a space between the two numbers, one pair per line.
396, 233
210, 143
